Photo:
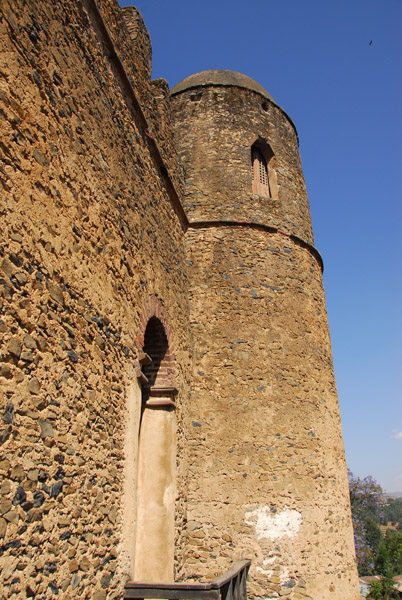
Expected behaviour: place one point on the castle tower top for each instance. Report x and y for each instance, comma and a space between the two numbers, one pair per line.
221, 77
240, 154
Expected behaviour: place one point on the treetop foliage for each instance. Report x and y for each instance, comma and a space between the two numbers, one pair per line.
376, 554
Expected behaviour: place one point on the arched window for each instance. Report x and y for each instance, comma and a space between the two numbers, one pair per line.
260, 173
156, 346
262, 170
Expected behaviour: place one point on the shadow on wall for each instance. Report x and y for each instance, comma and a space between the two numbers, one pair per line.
156, 346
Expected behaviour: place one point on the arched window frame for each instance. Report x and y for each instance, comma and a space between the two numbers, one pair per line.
263, 170
158, 365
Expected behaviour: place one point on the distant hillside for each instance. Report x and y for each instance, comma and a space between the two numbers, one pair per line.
393, 494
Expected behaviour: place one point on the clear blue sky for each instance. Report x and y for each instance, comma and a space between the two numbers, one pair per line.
345, 97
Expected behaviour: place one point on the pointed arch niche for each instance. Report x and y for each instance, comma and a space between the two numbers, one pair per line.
156, 475
263, 170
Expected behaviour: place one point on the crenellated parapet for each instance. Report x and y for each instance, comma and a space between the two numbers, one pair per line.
141, 42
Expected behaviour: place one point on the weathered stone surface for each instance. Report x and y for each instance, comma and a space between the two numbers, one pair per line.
14, 347
72, 356
3, 527
5, 371
21, 278
16, 237
55, 292
17, 473
5, 506
20, 496
8, 416
85, 564
34, 386
27, 356
11, 516
73, 566
7, 267
56, 489
38, 498
4, 435
29, 342
39, 157
5, 487
42, 344
46, 428
33, 474
4, 465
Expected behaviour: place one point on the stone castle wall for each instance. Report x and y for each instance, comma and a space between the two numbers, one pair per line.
90, 243
97, 240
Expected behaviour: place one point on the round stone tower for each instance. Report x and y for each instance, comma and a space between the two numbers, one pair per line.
267, 474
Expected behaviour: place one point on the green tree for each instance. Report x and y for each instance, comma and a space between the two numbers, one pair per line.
393, 511
382, 562
374, 534
384, 589
376, 554
367, 500
393, 545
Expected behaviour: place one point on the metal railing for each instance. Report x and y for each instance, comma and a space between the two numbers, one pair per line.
232, 585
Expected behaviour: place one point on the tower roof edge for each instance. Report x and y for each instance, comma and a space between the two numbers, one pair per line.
225, 77
221, 77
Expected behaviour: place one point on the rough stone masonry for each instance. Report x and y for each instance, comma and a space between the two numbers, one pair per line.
167, 396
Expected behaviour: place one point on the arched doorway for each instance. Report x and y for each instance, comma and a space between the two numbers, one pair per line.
156, 481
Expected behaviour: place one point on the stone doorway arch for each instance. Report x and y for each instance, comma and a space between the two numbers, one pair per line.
156, 477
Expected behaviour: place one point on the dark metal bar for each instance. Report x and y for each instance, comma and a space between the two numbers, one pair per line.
170, 593
233, 571
229, 586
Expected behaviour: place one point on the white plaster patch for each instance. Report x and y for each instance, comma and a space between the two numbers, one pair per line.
284, 575
272, 525
265, 568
